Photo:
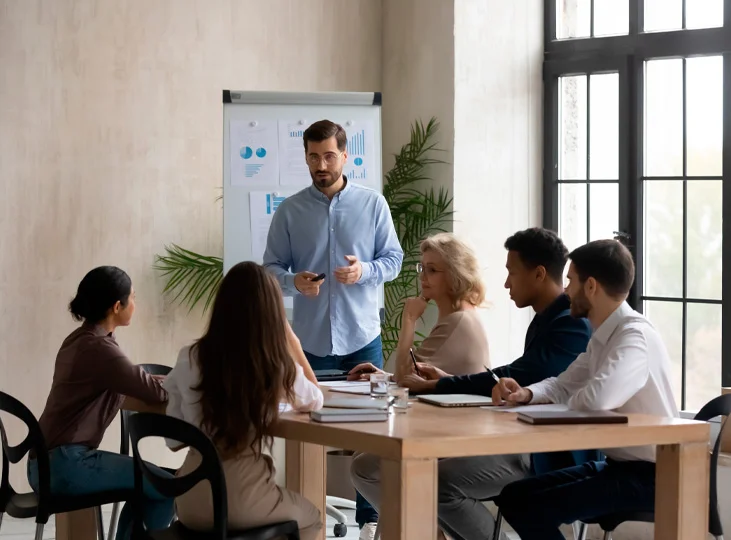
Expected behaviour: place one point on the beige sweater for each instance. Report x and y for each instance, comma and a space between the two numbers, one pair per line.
457, 344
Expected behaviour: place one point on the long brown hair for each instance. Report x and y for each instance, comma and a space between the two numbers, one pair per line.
245, 365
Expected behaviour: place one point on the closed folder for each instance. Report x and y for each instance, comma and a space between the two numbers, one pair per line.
544, 418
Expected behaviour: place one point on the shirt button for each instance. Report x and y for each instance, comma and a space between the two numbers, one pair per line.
332, 230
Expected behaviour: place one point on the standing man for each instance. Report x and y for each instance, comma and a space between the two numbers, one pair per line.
344, 231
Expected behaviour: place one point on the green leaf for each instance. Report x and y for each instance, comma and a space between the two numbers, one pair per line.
418, 211
191, 277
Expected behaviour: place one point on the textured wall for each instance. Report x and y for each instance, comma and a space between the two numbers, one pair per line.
110, 146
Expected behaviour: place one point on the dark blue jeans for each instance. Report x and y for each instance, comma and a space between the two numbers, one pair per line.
373, 353
80, 470
537, 506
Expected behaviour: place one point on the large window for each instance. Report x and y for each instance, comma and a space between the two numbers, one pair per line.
637, 138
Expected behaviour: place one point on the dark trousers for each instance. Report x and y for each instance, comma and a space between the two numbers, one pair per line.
373, 353
537, 506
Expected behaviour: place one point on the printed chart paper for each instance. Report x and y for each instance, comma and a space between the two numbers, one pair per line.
254, 153
293, 170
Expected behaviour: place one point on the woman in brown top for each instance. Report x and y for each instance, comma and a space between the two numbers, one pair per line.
90, 380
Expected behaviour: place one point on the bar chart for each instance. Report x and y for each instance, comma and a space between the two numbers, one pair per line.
273, 202
356, 143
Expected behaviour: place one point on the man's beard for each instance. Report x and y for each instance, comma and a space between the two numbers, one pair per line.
580, 306
327, 180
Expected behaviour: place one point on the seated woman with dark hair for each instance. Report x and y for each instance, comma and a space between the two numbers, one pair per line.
230, 383
91, 378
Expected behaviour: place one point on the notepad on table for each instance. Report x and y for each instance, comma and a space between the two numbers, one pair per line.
356, 403
544, 418
329, 415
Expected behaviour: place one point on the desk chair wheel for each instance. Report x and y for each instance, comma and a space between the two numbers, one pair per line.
340, 530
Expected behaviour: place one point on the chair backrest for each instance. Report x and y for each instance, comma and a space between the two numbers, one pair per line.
13, 454
720, 406
142, 425
152, 369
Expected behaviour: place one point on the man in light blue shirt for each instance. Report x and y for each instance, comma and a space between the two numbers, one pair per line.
344, 231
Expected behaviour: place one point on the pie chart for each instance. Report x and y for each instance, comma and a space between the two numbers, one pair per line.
246, 152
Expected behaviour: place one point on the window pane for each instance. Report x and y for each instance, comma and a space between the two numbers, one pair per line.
705, 238
611, 17
572, 18
667, 318
663, 15
572, 214
664, 118
703, 354
703, 13
572, 142
663, 238
704, 110
603, 210
604, 126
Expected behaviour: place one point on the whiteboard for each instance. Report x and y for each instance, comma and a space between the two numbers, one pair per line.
260, 112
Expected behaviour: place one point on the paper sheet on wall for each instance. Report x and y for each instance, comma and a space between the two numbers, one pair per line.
293, 170
262, 206
361, 150
254, 153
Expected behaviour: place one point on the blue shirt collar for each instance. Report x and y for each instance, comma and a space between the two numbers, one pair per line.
320, 195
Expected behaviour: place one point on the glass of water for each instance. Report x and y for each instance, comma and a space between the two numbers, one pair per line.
400, 398
379, 385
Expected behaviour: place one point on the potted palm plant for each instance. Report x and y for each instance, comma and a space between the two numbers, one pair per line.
417, 209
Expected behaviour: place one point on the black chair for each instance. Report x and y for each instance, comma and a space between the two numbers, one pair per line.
43, 504
142, 425
720, 406
152, 369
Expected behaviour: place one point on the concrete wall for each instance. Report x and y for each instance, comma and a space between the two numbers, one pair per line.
110, 147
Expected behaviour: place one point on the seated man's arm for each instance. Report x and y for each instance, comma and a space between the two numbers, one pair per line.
565, 339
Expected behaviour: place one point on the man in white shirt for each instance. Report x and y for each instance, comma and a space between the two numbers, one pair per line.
625, 368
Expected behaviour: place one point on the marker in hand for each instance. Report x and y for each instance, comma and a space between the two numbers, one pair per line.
413, 359
492, 374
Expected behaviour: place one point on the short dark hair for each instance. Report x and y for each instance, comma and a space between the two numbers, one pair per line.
540, 247
607, 261
98, 292
323, 130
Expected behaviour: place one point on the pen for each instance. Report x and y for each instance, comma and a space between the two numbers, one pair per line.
413, 359
492, 373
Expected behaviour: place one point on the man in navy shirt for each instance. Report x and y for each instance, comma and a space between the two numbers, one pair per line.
535, 263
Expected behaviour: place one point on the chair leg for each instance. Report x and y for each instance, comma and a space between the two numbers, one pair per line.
99, 523
39, 531
1, 520
582, 531
113, 521
607, 535
498, 525
377, 535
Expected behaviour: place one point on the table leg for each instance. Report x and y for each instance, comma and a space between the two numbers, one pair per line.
305, 474
409, 500
79, 525
681, 492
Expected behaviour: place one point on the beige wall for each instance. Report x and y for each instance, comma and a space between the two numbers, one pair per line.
497, 147
110, 146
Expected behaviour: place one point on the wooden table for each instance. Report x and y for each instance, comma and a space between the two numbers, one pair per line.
410, 444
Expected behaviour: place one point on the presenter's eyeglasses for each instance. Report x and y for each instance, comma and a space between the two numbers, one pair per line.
331, 158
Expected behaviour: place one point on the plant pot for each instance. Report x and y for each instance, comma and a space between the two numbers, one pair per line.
338, 474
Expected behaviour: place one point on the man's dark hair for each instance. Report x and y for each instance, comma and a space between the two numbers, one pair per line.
323, 130
540, 247
607, 261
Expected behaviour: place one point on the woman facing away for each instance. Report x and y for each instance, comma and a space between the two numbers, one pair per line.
91, 378
230, 383
449, 275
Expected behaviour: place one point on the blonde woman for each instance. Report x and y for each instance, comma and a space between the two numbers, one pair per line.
450, 277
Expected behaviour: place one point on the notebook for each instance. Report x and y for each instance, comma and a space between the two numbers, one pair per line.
571, 417
331, 375
330, 415
356, 403
456, 400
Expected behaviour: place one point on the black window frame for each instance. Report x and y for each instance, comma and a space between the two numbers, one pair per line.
627, 54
